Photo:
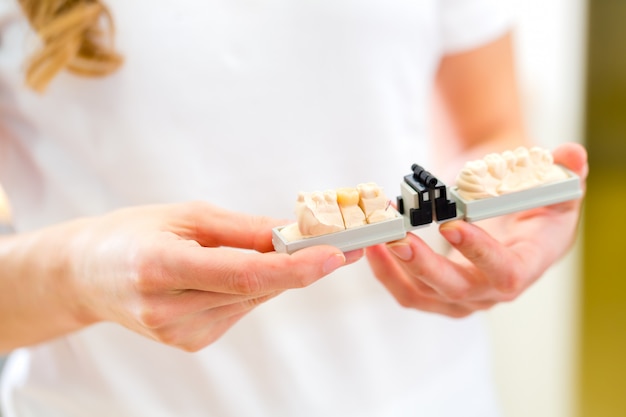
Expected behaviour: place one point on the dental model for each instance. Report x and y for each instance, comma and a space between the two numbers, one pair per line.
348, 200
320, 213
508, 172
374, 203
498, 184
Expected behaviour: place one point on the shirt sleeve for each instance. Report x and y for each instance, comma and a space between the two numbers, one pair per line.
467, 24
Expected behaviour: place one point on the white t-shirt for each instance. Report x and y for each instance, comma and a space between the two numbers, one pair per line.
244, 104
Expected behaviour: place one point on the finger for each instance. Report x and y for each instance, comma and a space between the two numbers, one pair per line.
234, 272
421, 263
438, 306
387, 270
160, 309
212, 226
198, 330
218, 329
409, 293
414, 293
394, 264
491, 260
354, 256
196, 336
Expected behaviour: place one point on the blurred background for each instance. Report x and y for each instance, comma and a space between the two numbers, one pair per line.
5, 227
537, 338
602, 379
561, 348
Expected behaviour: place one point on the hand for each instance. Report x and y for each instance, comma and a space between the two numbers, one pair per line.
170, 273
484, 268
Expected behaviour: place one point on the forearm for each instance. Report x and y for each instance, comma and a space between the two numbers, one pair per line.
480, 99
38, 300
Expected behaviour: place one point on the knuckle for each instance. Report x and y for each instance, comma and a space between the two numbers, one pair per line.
300, 277
485, 305
174, 338
460, 314
405, 302
457, 294
489, 306
511, 284
479, 252
150, 317
254, 302
457, 313
302, 280
165, 337
247, 283
413, 300
201, 343
144, 271
508, 297
142, 283
262, 241
191, 347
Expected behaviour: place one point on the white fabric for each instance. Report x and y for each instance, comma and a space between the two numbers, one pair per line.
244, 104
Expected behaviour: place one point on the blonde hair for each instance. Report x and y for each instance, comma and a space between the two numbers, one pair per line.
76, 35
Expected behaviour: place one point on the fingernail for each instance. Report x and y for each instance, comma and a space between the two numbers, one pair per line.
354, 255
334, 262
453, 236
401, 250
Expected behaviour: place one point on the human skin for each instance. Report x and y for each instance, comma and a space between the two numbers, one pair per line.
495, 260
492, 261
168, 272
